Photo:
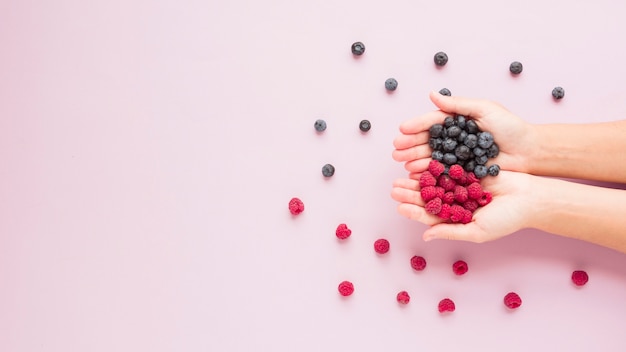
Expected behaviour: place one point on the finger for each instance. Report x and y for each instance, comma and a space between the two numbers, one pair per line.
458, 232
420, 165
407, 183
403, 195
459, 105
404, 141
415, 175
422, 123
417, 213
413, 153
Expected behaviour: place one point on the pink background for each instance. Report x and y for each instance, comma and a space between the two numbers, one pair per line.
148, 150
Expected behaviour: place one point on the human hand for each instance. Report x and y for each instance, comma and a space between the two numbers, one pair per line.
510, 210
514, 137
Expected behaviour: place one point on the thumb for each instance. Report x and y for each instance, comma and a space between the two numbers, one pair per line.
458, 232
458, 105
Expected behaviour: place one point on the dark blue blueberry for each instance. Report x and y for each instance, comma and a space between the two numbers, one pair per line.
470, 165
328, 170
485, 140
461, 121
449, 159
435, 130
446, 169
320, 125
391, 84
471, 141
365, 125
454, 131
449, 144
358, 48
480, 171
435, 143
437, 155
445, 91
461, 136
493, 151
471, 127
478, 151
558, 93
448, 121
462, 152
493, 170
441, 58
481, 160
516, 67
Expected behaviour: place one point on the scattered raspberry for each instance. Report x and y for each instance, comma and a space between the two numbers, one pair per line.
296, 206
471, 178
485, 199
381, 246
445, 211
435, 168
459, 267
467, 217
470, 205
434, 206
456, 172
346, 288
460, 194
446, 305
446, 182
512, 300
403, 297
580, 277
418, 263
427, 179
428, 193
474, 190
457, 213
448, 198
343, 231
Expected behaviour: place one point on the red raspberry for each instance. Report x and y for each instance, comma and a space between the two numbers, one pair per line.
471, 205
439, 191
434, 206
343, 231
459, 267
484, 199
418, 263
446, 305
346, 288
435, 168
296, 206
462, 180
428, 193
580, 277
467, 217
403, 297
446, 182
471, 178
457, 213
448, 198
427, 179
474, 190
460, 194
381, 246
445, 211
456, 172
512, 300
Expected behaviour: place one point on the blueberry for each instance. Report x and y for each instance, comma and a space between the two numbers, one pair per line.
437, 155
493, 151
461, 136
441, 58
435, 130
358, 48
480, 171
446, 169
461, 121
485, 139
448, 121
462, 152
471, 141
516, 67
558, 93
478, 151
481, 160
471, 126
449, 159
470, 165
435, 143
493, 170
445, 91
365, 125
391, 84
328, 170
320, 125
454, 131
449, 144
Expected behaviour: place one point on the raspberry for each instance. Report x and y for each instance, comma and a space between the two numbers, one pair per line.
471, 177
512, 300
457, 213
428, 193
474, 190
467, 217
343, 231
460, 194
439, 192
403, 297
580, 277
445, 91
462, 180
357, 48
446, 305
446, 182
346, 288
470, 205
427, 179
459, 267
558, 93
435, 168
448, 198
391, 84
320, 125
328, 170
381, 246
434, 206
485, 199
441, 58
456, 172
418, 263
296, 206
365, 125
445, 211
516, 67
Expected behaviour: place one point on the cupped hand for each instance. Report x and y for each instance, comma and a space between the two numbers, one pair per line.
514, 137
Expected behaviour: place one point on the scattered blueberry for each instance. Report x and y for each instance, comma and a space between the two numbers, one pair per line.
328, 170
365, 125
558, 93
485, 139
445, 91
480, 171
516, 67
391, 84
358, 48
435, 130
320, 125
493, 170
441, 58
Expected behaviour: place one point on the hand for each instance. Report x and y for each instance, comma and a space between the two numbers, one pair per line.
515, 138
510, 210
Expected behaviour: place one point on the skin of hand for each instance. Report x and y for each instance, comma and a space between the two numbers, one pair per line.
515, 138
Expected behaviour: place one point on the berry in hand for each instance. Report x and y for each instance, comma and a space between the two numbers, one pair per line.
436, 130
391, 84
435, 168
493, 170
433, 206
480, 170
358, 48
449, 159
445, 91
485, 140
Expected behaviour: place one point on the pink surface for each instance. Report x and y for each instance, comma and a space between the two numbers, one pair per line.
148, 151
